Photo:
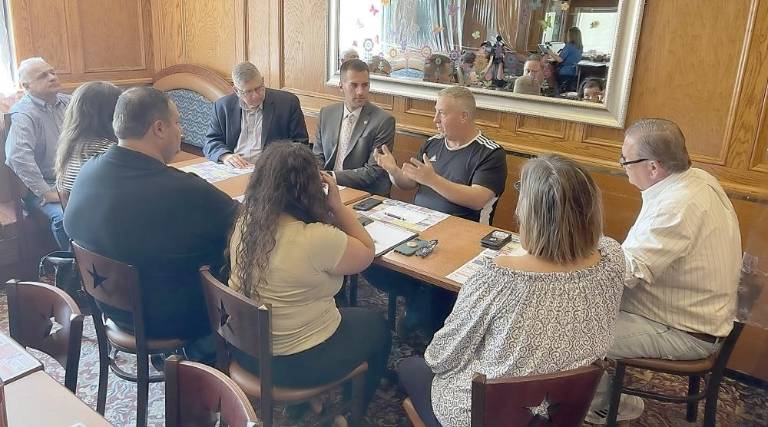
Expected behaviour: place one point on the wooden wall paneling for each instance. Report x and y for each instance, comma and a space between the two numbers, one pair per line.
118, 46
305, 39
265, 39
214, 33
168, 35
759, 158
686, 70
541, 126
41, 29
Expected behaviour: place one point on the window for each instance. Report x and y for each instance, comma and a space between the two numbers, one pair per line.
598, 29
7, 66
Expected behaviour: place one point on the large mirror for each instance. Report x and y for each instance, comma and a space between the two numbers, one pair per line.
569, 60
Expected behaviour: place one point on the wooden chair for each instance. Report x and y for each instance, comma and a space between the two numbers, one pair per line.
34, 310
116, 284
242, 323
198, 395
558, 399
712, 369
33, 228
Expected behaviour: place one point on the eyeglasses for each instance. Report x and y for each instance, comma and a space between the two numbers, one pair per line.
624, 162
241, 92
427, 248
517, 186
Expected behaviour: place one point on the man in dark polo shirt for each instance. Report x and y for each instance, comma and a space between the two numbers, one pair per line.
127, 204
460, 172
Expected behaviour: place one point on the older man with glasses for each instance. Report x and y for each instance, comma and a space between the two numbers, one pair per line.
245, 122
683, 257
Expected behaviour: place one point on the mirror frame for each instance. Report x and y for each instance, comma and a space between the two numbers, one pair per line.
612, 113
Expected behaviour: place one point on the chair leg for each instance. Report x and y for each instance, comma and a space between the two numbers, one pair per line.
615, 393
692, 408
710, 407
392, 310
142, 397
103, 346
358, 403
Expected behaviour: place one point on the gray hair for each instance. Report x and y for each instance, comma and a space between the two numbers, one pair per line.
559, 210
527, 85
244, 72
660, 140
25, 68
137, 109
462, 96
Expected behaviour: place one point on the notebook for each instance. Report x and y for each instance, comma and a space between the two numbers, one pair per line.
386, 237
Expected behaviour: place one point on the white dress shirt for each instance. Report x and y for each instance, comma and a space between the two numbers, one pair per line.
684, 255
249, 144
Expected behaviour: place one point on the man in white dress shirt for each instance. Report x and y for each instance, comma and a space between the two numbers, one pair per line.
683, 259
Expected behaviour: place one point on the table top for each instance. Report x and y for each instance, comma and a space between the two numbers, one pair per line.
38, 400
15, 361
236, 186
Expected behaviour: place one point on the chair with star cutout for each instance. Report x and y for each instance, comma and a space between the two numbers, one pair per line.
198, 395
115, 284
45, 318
247, 325
560, 399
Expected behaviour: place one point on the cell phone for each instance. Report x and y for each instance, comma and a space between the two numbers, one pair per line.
364, 220
410, 247
496, 239
366, 204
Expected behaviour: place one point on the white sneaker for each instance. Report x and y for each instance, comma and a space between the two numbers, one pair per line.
630, 407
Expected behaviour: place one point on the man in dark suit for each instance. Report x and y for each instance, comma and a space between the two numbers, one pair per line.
245, 122
350, 132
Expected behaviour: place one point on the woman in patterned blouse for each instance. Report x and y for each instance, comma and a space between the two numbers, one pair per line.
548, 310
86, 130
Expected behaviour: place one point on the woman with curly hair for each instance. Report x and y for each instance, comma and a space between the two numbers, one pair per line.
291, 247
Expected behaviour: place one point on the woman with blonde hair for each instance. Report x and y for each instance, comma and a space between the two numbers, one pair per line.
550, 309
86, 130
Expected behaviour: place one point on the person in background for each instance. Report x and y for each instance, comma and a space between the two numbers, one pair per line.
244, 123
567, 58
87, 130
683, 259
348, 133
549, 309
527, 85
30, 150
592, 90
291, 247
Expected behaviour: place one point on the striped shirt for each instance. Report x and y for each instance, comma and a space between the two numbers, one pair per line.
684, 255
90, 148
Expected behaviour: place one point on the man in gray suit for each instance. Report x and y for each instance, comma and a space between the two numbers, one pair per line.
350, 132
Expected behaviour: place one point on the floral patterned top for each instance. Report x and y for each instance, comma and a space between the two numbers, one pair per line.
510, 323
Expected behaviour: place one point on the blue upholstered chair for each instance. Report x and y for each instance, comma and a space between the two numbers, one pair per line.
193, 89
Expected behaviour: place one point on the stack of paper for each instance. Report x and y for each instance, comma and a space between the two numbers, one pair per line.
214, 172
386, 237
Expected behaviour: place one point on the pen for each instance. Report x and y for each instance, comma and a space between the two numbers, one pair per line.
394, 216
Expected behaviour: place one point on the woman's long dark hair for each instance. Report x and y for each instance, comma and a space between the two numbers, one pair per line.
88, 116
286, 179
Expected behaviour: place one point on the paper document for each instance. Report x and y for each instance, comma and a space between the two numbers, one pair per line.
386, 237
215, 172
406, 215
463, 273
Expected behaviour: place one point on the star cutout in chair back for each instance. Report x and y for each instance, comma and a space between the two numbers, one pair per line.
51, 325
223, 315
542, 412
97, 278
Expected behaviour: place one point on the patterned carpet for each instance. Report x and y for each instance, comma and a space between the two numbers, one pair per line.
740, 405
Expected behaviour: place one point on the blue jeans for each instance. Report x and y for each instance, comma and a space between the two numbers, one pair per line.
55, 214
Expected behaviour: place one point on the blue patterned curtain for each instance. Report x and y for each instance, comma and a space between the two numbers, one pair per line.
416, 24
